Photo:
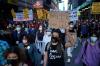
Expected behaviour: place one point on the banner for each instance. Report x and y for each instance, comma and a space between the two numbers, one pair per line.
26, 13
96, 8
20, 16
45, 14
40, 13
58, 19
30, 15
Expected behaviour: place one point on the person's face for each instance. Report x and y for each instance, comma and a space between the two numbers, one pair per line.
10, 25
87, 20
25, 40
55, 37
12, 56
18, 28
40, 28
48, 33
55, 34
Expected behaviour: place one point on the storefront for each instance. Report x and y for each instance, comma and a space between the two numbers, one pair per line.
85, 10
89, 10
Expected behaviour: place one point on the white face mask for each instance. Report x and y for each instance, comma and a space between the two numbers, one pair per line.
10, 25
32, 28
62, 31
28, 47
93, 39
26, 29
40, 28
18, 28
48, 33
71, 25
24, 41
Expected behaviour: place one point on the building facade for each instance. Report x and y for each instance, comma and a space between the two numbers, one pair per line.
83, 6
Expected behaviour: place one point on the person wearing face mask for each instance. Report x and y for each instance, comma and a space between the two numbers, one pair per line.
16, 34
3, 47
62, 34
90, 52
71, 27
32, 33
30, 51
39, 42
70, 42
15, 57
93, 39
54, 51
47, 37
84, 30
39, 39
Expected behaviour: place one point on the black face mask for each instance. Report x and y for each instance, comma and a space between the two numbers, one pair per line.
26, 45
12, 62
54, 39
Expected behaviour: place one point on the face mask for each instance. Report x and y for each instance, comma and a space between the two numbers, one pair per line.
71, 25
23, 26
48, 33
27, 47
13, 62
9, 25
32, 28
26, 29
18, 28
40, 28
93, 39
62, 31
54, 39
24, 41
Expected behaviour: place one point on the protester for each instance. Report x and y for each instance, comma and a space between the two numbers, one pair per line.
3, 47
90, 52
54, 52
84, 30
62, 35
70, 41
39, 39
30, 51
78, 29
47, 37
17, 34
32, 33
14, 57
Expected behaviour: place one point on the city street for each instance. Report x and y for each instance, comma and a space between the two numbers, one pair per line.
49, 32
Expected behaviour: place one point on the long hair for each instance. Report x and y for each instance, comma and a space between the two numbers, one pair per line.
28, 37
60, 47
19, 52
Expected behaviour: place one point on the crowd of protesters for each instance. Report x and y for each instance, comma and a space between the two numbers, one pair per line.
89, 32
36, 44
86, 28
